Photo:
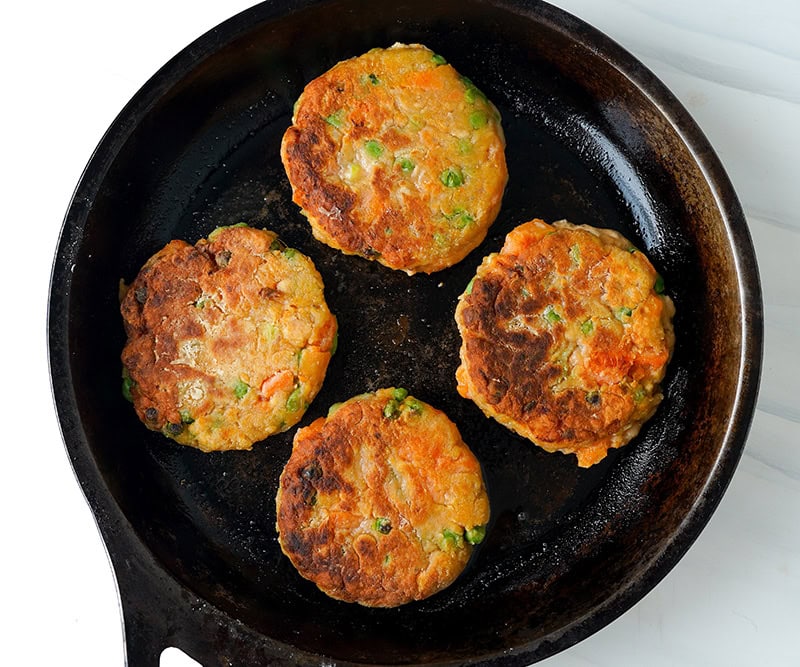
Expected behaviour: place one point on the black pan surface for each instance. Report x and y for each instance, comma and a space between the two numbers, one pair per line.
592, 137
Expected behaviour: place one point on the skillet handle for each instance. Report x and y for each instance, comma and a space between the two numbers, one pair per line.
142, 646
144, 617
158, 613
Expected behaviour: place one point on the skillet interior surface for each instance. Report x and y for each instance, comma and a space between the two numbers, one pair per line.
591, 137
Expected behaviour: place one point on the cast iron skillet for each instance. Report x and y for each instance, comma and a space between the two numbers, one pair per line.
592, 137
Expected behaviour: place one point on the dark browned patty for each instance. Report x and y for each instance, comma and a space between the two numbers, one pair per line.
381, 502
228, 340
565, 338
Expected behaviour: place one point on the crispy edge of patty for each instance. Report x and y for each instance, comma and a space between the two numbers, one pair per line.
189, 321
366, 221
380, 502
567, 379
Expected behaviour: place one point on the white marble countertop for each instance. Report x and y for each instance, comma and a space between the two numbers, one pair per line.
68, 68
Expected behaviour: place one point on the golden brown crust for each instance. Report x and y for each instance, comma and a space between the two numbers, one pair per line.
395, 157
379, 501
564, 338
228, 340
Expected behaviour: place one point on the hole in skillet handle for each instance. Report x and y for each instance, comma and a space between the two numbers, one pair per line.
174, 657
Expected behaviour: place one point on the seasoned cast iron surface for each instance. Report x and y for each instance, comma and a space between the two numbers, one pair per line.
582, 145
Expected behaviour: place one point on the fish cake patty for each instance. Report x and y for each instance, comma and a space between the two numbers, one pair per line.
228, 341
566, 335
395, 157
381, 502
